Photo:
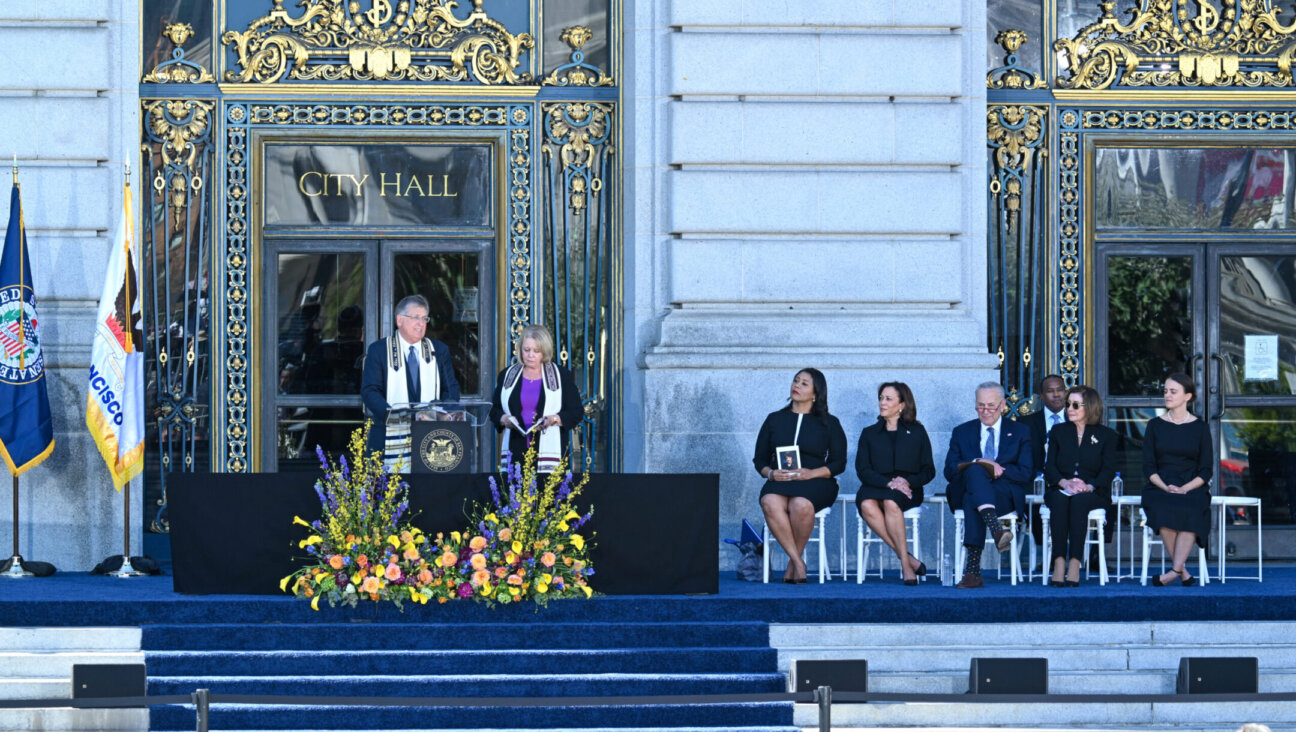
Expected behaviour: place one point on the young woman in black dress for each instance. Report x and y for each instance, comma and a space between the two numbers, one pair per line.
1179, 463
790, 498
894, 462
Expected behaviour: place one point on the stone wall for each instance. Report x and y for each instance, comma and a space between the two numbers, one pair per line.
69, 111
807, 183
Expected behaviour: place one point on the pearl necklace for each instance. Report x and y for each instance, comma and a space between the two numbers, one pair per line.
1187, 418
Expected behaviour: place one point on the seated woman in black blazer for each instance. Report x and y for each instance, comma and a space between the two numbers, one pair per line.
894, 462
1079, 470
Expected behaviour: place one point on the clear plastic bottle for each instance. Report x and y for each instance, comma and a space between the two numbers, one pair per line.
1118, 487
1039, 484
947, 570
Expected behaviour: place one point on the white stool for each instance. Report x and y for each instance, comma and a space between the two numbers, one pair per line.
960, 551
865, 539
1094, 536
1150, 539
1224, 503
816, 537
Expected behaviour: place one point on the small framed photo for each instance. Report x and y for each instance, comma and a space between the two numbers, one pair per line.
789, 458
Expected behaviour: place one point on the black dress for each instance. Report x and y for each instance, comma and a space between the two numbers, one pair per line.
822, 443
1178, 453
903, 453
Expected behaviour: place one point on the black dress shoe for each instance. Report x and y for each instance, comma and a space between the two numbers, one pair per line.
922, 570
911, 583
800, 581
1187, 580
1057, 583
1072, 583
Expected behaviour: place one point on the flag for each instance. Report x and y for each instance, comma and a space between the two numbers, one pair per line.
115, 395
26, 430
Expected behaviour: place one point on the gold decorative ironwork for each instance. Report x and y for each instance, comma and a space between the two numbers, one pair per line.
576, 72
1165, 43
180, 125
1011, 75
1069, 251
409, 40
1195, 119
178, 70
577, 128
1015, 134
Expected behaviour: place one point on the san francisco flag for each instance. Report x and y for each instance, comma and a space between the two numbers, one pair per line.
115, 400
26, 431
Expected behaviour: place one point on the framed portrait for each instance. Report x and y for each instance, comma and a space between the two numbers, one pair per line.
789, 458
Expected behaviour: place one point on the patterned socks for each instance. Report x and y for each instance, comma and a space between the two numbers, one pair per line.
991, 521
973, 566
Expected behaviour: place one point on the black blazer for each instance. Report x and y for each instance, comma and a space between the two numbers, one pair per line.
373, 385
1039, 434
1092, 460
570, 413
876, 464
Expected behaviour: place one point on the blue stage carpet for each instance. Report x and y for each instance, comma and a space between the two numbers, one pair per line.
80, 599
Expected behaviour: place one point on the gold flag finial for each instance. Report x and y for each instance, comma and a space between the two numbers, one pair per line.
15, 169
127, 173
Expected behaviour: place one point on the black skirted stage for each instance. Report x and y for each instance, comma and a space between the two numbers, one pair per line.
234, 533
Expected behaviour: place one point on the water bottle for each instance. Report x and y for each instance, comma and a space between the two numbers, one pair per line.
1118, 487
947, 571
1039, 484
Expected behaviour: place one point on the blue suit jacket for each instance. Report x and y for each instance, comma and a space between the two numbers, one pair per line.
1014, 455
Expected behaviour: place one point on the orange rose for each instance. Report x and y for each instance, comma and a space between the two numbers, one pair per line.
480, 577
425, 577
514, 579
449, 559
548, 559
363, 561
411, 554
477, 544
393, 573
478, 561
371, 585
335, 561
500, 572
506, 534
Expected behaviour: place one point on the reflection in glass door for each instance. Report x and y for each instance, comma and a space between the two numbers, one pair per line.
1226, 315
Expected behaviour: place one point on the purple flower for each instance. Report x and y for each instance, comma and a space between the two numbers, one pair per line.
494, 490
319, 451
465, 590
340, 578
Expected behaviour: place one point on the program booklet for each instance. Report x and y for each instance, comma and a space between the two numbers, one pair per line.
982, 462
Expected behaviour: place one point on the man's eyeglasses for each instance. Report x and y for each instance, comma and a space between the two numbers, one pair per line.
419, 318
988, 407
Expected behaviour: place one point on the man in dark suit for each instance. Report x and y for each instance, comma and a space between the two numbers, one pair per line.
988, 467
1052, 390
423, 364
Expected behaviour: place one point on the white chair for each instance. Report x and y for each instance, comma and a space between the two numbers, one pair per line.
1095, 535
960, 551
1225, 503
1150, 539
865, 539
848, 507
816, 537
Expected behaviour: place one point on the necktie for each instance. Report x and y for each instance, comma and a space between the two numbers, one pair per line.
1054, 419
412, 374
988, 452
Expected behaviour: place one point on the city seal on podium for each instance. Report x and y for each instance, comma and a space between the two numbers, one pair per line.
441, 450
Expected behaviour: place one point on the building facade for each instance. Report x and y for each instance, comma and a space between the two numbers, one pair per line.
698, 198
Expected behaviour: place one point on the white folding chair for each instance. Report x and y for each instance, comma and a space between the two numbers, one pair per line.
1225, 503
1094, 536
816, 537
960, 551
1150, 540
848, 507
865, 539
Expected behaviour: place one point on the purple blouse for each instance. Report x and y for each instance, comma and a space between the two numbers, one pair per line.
530, 397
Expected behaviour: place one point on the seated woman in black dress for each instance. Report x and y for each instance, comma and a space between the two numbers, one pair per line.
791, 497
1079, 470
1178, 462
894, 462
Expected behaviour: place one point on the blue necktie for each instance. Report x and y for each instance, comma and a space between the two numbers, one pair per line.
412, 374
988, 452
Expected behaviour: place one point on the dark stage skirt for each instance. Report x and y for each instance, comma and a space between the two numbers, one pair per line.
820, 491
1187, 512
886, 494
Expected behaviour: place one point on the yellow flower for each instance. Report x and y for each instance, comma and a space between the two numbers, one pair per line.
571, 516
395, 542
514, 591
315, 603
517, 547
309, 541
578, 541
456, 536
283, 583
588, 591
563, 526
300, 520
492, 518
542, 588
486, 589
546, 578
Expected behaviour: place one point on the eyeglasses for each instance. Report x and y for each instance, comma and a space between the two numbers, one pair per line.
1076, 405
988, 407
417, 318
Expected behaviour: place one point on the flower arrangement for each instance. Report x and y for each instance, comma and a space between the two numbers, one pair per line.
363, 551
522, 546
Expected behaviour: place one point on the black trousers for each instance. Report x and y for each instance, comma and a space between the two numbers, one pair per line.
1069, 521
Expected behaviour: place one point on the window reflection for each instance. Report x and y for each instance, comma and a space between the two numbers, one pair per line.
158, 14
321, 323
1258, 459
1024, 15
592, 14
451, 283
1130, 423
1149, 326
1257, 298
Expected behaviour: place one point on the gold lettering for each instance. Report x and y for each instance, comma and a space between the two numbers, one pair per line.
445, 186
431, 182
414, 183
301, 183
358, 183
382, 184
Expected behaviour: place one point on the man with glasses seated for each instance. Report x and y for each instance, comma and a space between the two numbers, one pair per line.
404, 368
988, 468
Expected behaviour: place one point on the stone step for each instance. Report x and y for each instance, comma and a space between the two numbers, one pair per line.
910, 635
1211, 715
1085, 728
70, 639
36, 688
1085, 682
74, 719
1060, 658
57, 665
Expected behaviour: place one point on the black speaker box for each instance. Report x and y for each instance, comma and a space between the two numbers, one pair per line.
1008, 676
108, 680
839, 674
1231, 675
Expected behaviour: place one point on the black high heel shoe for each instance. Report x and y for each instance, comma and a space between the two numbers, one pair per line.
1057, 583
922, 570
911, 582
1156, 581
1186, 579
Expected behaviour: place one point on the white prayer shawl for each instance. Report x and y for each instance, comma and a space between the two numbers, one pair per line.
549, 452
397, 450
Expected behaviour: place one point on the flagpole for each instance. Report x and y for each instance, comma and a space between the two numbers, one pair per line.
15, 562
127, 569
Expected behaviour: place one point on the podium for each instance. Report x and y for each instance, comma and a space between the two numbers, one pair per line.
444, 437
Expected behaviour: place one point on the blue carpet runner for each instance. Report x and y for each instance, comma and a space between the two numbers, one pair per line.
476, 659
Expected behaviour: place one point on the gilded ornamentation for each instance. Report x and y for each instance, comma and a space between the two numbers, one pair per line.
178, 70
577, 128
182, 126
1011, 75
405, 40
1069, 256
576, 72
1014, 133
1181, 43
232, 381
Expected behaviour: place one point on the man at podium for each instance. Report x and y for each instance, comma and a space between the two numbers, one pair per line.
404, 368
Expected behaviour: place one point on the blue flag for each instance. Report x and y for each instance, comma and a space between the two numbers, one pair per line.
26, 431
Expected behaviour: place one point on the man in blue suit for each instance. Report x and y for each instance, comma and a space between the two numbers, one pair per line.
988, 468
